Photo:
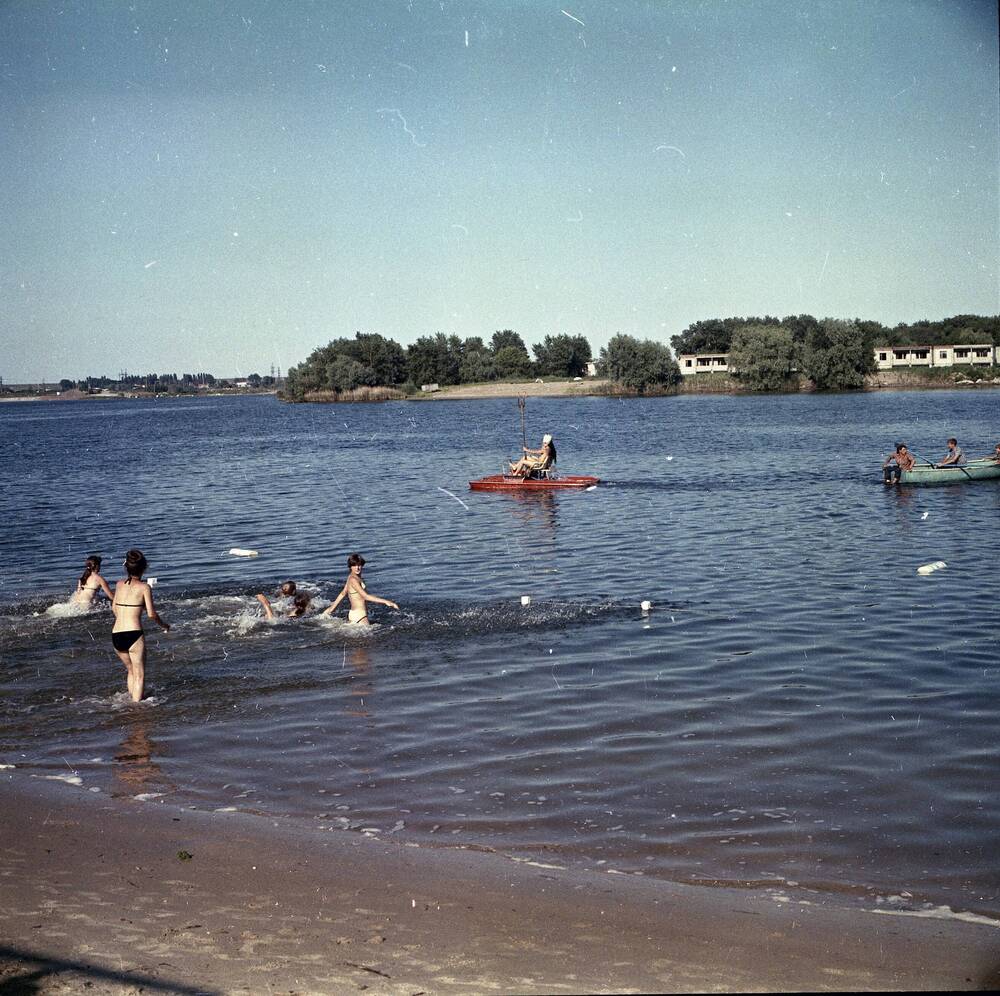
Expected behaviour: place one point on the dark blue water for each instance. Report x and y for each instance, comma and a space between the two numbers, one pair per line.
799, 711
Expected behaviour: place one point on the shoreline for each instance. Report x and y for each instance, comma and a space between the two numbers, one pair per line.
595, 387
120, 894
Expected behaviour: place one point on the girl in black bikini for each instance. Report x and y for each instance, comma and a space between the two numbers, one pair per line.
132, 596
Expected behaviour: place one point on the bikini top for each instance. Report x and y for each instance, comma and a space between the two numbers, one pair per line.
128, 605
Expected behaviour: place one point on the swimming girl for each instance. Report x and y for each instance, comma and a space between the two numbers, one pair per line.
90, 582
357, 594
300, 603
132, 596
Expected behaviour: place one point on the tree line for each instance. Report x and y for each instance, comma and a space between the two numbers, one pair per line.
160, 383
765, 354
371, 360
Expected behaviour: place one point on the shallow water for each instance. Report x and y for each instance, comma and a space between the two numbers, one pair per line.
800, 710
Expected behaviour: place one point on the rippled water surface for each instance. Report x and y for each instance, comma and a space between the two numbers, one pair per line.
800, 709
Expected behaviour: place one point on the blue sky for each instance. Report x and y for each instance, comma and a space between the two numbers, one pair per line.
225, 186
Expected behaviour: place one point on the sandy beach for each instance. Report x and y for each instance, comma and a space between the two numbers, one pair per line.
527, 388
122, 896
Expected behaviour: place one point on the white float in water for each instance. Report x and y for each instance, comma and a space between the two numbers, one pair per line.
931, 568
646, 606
238, 551
151, 581
526, 600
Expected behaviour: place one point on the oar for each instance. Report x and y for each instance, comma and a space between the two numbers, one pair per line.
521, 402
936, 467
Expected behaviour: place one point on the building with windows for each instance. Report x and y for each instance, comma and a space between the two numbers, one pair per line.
886, 358
692, 363
890, 357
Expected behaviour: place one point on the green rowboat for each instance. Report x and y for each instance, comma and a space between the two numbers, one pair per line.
974, 470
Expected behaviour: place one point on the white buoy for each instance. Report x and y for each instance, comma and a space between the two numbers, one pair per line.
238, 551
646, 606
151, 581
526, 600
924, 516
931, 568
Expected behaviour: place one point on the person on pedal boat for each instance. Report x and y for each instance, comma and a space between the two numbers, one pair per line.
535, 461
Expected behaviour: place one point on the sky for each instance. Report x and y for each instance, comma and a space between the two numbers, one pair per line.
225, 186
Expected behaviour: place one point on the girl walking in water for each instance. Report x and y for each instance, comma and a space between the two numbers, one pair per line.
358, 595
132, 597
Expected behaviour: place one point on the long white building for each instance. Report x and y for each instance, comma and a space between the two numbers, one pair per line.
890, 357
886, 358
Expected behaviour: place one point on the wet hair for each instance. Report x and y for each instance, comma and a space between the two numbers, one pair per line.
92, 565
355, 560
899, 446
953, 441
300, 603
135, 564
288, 588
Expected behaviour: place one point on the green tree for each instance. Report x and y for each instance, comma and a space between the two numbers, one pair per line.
837, 355
761, 357
562, 355
510, 354
345, 374
477, 364
477, 367
637, 365
434, 360
512, 362
384, 356
714, 335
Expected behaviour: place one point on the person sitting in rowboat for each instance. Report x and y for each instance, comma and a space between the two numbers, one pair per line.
535, 461
995, 455
896, 463
954, 455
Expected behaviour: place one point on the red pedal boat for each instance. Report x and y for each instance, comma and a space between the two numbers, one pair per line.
508, 482
535, 479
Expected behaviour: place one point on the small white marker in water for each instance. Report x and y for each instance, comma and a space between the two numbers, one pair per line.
924, 516
646, 606
526, 600
238, 551
931, 568
151, 581
670, 458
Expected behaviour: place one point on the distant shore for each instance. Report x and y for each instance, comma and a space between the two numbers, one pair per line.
114, 895
130, 396
883, 380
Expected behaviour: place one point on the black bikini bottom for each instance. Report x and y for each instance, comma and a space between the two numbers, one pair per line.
123, 641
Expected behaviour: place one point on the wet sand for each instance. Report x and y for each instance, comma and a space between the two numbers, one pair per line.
121, 896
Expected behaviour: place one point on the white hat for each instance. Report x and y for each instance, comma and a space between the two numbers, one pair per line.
546, 438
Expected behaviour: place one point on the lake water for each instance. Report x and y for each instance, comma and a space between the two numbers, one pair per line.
800, 711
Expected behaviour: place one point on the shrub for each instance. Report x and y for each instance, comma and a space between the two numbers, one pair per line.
639, 366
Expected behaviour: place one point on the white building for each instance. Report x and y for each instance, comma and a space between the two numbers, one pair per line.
886, 358
890, 357
692, 363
